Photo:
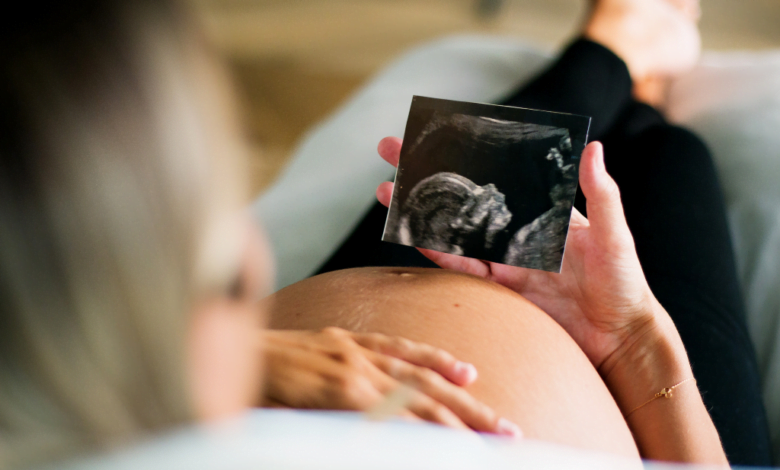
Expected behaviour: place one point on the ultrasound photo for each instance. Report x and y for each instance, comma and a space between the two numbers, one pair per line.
496, 183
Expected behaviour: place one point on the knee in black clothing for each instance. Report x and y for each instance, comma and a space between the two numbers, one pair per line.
675, 210
664, 159
671, 147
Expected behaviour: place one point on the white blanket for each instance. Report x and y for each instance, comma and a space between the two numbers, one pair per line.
287, 439
732, 100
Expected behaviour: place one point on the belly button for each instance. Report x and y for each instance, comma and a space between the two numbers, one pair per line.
406, 274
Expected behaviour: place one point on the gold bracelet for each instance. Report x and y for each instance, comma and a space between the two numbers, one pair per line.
664, 393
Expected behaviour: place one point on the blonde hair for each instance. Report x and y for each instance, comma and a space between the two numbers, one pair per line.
119, 160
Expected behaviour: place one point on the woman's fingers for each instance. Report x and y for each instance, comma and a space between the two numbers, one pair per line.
384, 193
420, 354
400, 400
375, 390
605, 209
389, 149
273, 403
430, 410
336, 369
458, 263
445, 396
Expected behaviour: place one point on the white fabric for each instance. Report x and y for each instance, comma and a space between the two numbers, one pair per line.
732, 100
284, 439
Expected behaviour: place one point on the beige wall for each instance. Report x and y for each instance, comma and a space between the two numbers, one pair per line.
295, 60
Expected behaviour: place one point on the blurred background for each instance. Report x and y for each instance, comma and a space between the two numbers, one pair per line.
295, 61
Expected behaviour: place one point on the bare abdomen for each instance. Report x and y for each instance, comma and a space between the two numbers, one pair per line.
530, 370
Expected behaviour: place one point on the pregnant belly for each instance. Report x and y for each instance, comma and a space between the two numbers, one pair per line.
530, 370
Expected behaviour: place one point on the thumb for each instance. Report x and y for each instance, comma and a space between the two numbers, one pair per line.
605, 210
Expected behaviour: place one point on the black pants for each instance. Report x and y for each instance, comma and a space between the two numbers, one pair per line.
675, 210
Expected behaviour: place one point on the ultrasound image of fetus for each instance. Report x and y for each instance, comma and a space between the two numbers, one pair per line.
540, 244
493, 183
447, 212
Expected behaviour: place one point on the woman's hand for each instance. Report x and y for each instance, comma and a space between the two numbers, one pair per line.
603, 301
601, 296
337, 369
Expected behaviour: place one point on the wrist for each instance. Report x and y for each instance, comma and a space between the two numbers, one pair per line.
652, 359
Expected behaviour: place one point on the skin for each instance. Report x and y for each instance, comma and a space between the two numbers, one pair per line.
337, 369
600, 303
229, 350
657, 39
225, 369
653, 37
531, 371
602, 300
569, 359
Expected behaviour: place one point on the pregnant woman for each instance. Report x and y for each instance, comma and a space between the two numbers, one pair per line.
129, 277
594, 357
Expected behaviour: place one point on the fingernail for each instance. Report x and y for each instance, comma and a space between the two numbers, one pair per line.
467, 371
508, 428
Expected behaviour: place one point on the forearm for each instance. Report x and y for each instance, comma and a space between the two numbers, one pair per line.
674, 428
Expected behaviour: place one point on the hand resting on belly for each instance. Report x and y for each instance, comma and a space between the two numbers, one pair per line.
530, 370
